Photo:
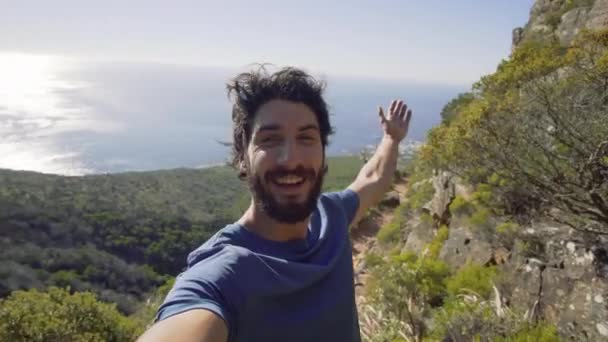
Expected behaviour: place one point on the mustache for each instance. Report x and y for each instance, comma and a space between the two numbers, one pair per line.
299, 171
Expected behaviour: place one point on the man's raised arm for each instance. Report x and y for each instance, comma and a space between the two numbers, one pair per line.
376, 176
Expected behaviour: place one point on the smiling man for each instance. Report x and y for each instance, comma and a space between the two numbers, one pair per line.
283, 271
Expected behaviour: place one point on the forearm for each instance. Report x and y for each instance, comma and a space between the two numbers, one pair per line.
380, 168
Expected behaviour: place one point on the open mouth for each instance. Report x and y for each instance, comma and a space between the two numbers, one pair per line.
289, 181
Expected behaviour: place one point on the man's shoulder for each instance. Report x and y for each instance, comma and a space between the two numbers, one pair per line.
223, 247
345, 201
340, 195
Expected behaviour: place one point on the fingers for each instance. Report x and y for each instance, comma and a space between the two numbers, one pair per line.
403, 111
397, 109
381, 115
394, 104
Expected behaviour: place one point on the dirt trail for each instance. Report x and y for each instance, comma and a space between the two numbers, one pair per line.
363, 236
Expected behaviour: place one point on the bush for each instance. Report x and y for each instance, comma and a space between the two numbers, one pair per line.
533, 137
472, 278
467, 320
480, 218
57, 315
542, 332
405, 287
390, 231
373, 259
460, 206
421, 194
435, 246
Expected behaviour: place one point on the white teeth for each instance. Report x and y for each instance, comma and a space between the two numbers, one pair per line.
289, 180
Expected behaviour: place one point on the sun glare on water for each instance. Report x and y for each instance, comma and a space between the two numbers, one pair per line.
30, 108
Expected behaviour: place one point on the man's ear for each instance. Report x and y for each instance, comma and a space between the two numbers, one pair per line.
242, 169
325, 169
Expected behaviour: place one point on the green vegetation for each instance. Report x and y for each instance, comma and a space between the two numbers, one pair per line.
472, 278
460, 206
541, 332
57, 315
532, 140
421, 189
451, 110
390, 232
404, 288
342, 172
435, 246
120, 236
535, 134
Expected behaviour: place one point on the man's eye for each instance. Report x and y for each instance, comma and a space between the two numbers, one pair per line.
307, 138
271, 139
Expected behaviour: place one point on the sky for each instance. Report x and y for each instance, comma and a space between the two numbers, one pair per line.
112, 86
436, 41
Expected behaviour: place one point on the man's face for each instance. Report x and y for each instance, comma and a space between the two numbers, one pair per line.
285, 160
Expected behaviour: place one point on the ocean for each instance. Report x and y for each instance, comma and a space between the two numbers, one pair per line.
82, 118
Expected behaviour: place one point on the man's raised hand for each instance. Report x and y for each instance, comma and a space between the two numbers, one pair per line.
397, 122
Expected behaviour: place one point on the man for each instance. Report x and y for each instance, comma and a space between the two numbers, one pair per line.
283, 271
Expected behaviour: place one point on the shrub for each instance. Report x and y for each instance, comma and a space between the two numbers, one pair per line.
542, 332
460, 206
435, 246
472, 278
57, 315
421, 194
373, 259
390, 231
406, 286
480, 218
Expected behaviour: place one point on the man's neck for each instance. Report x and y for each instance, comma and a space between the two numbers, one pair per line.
260, 223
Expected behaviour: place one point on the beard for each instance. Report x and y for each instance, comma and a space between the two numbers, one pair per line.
289, 213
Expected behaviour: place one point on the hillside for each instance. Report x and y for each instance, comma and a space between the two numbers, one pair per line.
120, 235
503, 232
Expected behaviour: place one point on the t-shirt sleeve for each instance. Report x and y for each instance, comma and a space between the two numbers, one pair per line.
202, 286
349, 200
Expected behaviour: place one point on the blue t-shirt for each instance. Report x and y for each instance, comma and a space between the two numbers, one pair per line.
300, 290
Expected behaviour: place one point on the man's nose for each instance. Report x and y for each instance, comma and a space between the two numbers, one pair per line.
288, 155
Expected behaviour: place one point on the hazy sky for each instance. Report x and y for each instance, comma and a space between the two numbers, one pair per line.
434, 41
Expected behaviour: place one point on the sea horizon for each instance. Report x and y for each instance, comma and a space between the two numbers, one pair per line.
82, 118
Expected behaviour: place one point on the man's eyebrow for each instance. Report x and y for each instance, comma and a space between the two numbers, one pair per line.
307, 127
270, 127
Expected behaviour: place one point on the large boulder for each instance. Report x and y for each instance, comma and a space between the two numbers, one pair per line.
420, 235
463, 247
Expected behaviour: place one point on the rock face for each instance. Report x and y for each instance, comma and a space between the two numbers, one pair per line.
553, 271
572, 22
598, 16
418, 238
564, 287
445, 191
562, 19
463, 247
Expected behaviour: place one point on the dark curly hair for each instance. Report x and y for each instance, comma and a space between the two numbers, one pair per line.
250, 90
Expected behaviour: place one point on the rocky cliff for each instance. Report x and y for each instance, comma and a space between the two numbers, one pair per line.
562, 20
557, 273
